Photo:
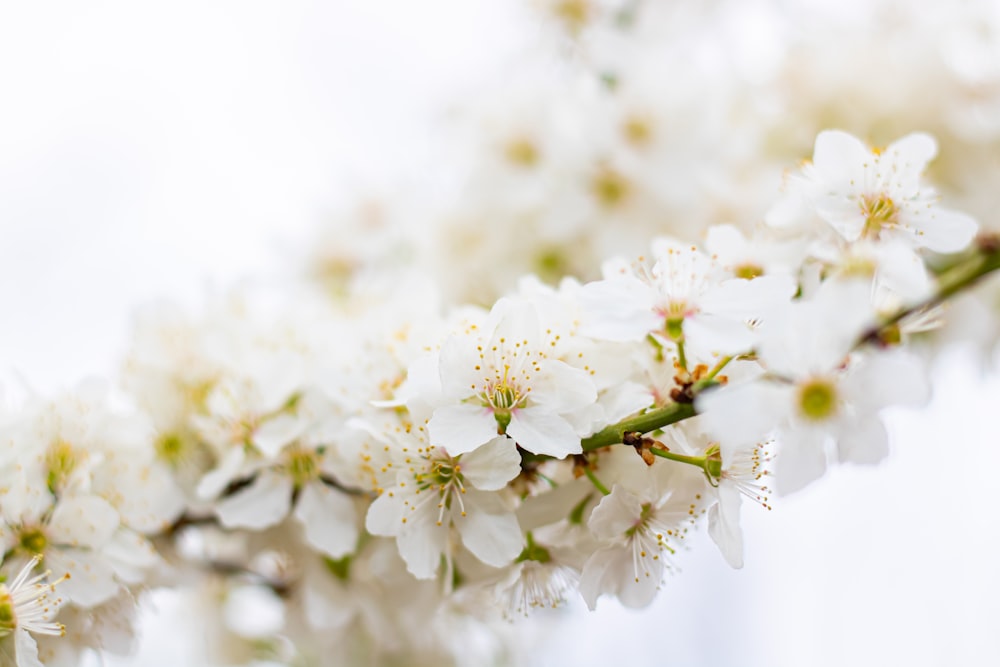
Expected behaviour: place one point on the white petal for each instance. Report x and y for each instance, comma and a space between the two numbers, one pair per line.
942, 230
27, 650
910, 155
889, 378
82, 521
461, 428
724, 525
801, 459
516, 322
616, 513
212, 484
421, 547
490, 467
263, 503
272, 436
457, 367
743, 414
746, 299
558, 387
837, 154
329, 518
541, 432
385, 514
863, 441
130, 555
611, 571
618, 309
707, 334
327, 603
91, 581
489, 530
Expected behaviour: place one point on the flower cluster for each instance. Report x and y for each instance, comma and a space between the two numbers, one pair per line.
360, 471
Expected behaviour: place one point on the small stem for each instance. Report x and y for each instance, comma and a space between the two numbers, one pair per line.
718, 367
596, 482
681, 357
697, 461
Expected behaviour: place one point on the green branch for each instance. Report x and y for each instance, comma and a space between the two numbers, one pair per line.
966, 272
643, 423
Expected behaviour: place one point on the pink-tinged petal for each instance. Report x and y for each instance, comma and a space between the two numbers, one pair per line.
618, 309
490, 467
263, 503
461, 428
542, 432
941, 230
329, 519
801, 459
91, 581
82, 521
489, 529
616, 513
724, 524
863, 440
27, 650
558, 387
272, 436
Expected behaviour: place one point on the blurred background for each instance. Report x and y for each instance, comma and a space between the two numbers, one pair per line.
172, 150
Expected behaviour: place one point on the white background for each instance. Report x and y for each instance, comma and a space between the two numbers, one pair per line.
151, 150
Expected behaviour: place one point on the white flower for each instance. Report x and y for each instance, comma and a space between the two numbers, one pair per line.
641, 528
685, 295
505, 382
807, 398
71, 537
532, 584
27, 606
876, 194
434, 491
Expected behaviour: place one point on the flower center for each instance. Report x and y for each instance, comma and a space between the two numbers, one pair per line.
302, 466
522, 152
637, 131
171, 448
880, 212
748, 271
8, 620
33, 541
818, 399
61, 460
610, 188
